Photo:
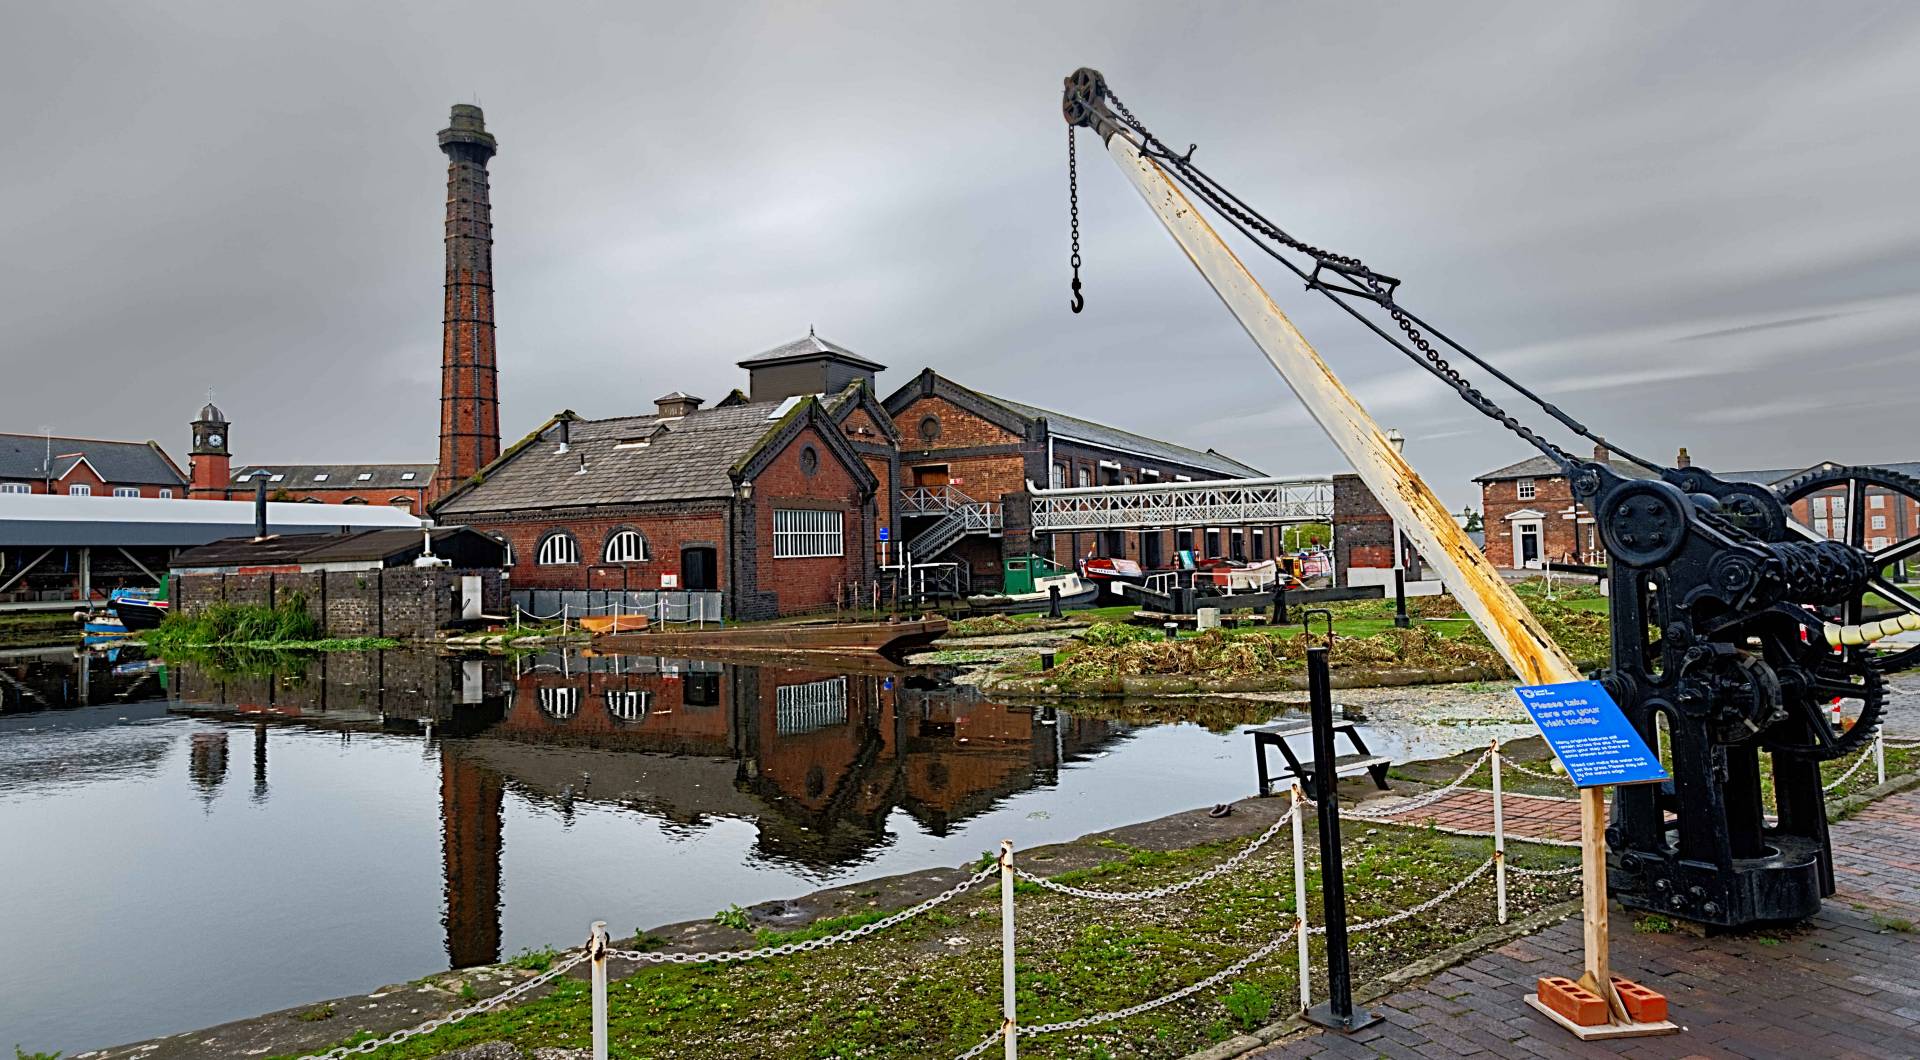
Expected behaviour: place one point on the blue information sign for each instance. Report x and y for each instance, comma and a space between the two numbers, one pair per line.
883, 533
1589, 734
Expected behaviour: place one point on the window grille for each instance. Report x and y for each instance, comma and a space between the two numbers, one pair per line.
629, 706
15, 487
626, 547
1525, 489
815, 705
79, 491
559, 550
559, 703
800, 533
125, 491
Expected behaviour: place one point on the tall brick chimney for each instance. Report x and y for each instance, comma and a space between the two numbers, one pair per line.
1681, 459
469, 387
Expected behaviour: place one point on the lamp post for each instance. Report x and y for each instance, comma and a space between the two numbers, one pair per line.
1400, 620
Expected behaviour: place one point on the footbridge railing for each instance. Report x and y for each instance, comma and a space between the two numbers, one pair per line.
1176, 505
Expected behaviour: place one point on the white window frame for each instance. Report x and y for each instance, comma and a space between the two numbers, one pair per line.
364, 476
1525, 489
1876, 500
559, 549
406, 476
559, 702
15, 487
126, 491
629, 704
166, 494
808, 533
321, 477
79, 489
810, 707
626, 546
1878, 522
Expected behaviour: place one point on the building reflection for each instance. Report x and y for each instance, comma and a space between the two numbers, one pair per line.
818, 760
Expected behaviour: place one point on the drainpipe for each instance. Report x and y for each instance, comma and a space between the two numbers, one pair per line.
259, 508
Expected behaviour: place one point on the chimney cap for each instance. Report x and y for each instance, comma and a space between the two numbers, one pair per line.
1681, 459
468, 125
1601, 452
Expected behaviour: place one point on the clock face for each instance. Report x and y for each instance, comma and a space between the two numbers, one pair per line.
214, 439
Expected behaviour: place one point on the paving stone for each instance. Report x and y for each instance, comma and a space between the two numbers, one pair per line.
1841, 986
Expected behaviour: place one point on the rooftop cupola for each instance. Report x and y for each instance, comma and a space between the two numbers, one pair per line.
677, 404
806, 366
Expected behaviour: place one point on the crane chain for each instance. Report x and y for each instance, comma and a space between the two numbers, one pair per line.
1382, 292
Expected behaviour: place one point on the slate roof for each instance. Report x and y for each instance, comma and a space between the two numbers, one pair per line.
1542, 467
339, 476
689, 460
804, 349
1114, 438
24, 456
357, 546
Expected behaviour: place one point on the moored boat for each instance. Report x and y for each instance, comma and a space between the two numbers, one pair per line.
1110, 573
138, 609
1028, 586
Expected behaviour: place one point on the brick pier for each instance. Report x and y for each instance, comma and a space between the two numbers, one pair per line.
1844, 984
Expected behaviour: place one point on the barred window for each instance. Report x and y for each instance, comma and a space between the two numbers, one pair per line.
559, 550
626, 547
559, 703
804, 534
815, 705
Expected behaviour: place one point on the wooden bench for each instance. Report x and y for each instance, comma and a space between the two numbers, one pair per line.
1351, 765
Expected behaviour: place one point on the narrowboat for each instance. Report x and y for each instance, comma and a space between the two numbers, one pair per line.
1110, 573
1028, 586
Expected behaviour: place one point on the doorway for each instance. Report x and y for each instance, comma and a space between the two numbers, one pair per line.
699, 571
1150, 556
1526, 544
932, 476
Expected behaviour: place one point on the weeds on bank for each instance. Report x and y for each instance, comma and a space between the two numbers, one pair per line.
21, 1054
287, 625
532, 960
732, 916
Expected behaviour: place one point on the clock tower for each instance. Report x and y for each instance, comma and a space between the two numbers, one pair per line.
212, 458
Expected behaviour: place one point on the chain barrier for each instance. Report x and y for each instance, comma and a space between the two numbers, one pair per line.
786, 949
1406, 914
1518, 767
511, 993
1187, 884
1865, 755
1567, 871
1422, 800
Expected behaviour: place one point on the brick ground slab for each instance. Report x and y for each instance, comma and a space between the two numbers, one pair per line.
1846, 984
1470, 810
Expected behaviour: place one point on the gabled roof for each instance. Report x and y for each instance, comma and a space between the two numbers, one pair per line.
24, 457
1020, 418
339, 476
1543, 467
637, 459
807, 349
853, 396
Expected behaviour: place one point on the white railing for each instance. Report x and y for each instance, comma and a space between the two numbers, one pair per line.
942, 500
1176, 505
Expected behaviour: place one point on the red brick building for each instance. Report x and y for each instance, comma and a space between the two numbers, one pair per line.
986, 449
1531, 517
765, 502
87, 467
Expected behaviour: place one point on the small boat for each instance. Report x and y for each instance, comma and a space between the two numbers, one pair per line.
1028, 587
1112, 572
1229, 576
599, 624
886, 638
139, 609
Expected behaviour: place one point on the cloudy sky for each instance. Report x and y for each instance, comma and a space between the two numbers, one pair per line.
1691, 224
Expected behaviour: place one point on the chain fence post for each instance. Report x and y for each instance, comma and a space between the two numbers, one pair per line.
1499, 838
597, 947
1300, 898
1880, 756
1010, 1027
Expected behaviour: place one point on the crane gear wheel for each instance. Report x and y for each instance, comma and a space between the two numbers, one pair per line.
1857, 610
1810, 690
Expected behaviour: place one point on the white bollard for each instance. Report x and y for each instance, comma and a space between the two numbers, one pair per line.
1206, 618
1010, 1027
1300, 898
1499, 839
1880, 757
597, 946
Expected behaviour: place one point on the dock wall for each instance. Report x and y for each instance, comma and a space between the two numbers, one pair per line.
402, 602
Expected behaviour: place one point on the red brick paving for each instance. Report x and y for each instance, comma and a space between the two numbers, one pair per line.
1470, 810
1846, 984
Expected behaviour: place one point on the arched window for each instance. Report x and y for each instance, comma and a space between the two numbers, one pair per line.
560, 703
626, 546
628, 705
558, 550
507, 560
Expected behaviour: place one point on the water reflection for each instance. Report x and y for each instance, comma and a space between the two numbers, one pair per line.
818, 761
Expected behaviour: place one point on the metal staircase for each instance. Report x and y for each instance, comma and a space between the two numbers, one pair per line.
956, 516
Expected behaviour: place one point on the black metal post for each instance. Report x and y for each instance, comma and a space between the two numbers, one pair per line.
1279, 603
1172, 628
1400, 598
1053, 601
1046, 660
1337, 1012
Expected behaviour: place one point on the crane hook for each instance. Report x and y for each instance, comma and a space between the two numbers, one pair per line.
1079, 300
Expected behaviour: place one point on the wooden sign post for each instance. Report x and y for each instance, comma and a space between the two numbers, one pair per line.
1469, 576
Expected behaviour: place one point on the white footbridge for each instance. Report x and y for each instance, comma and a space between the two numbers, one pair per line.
1178, 505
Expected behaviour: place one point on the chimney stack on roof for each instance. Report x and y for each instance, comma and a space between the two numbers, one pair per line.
677, 404
1681, 459
1600, 453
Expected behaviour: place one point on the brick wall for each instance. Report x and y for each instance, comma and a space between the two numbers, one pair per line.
666, 528
1563, 540
1362, 529
402, 602
773, 586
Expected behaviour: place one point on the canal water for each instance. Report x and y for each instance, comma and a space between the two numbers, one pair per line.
186, 844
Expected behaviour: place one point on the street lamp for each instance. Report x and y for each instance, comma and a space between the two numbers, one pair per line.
1400, 620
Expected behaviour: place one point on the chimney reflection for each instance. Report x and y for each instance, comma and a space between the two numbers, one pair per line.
470, 841
259, 761
207, 763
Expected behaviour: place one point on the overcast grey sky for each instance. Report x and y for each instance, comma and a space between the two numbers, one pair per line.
1692, 224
